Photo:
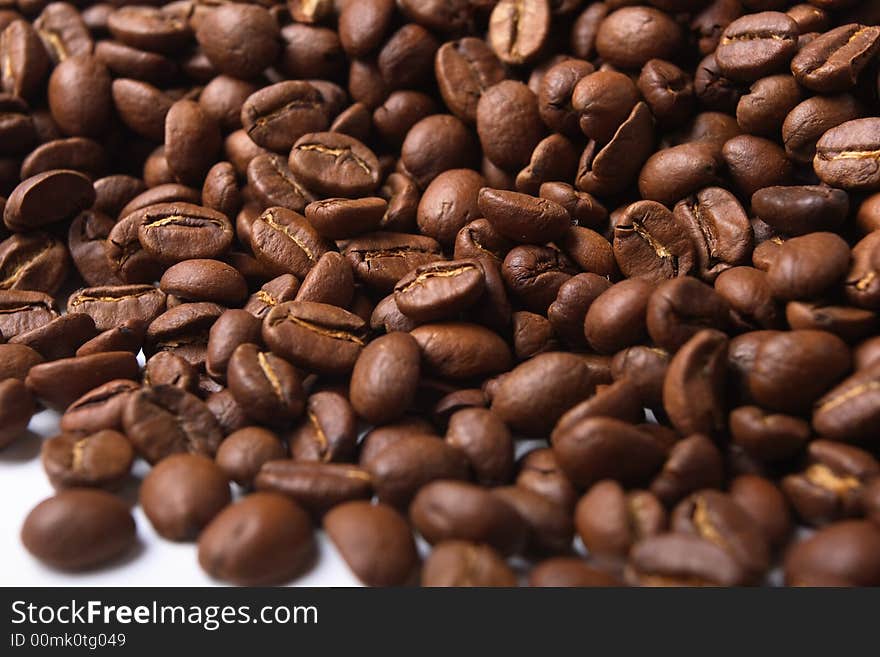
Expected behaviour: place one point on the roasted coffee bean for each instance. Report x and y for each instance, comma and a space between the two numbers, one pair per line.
59, 383
605, 448
523, 218
77, 153
173, 232
239, 40
167, 368
540, 472
266, 386
692, 464
678, 559
78, 529
79, 96
673, 173
534, 274
509, 124
276, 116
459, 350
486, 442
756, 45
182, 494
518, 31
649, 244
204, 280
454, 510
619, 400
805, 267
449, 204
314, 336
575, 296
832, 61
693, 390
862, 285
678, 309
243, 452
149, 28
99, 409
439, 290
763, 501
263, 539
830, 487
330, 281
318, 487
334, 164
843, 554
16, 360
399, 469
232, 328
143, 108
801, 209
272, 184
849, 324
328, 432
375, 541
435, 144
87, 243
768, 436
98, 460
848, 155
610, 520
16, 408
381, 259
338, 218
755, 162
645, 368
807, 122
384, 378
165, 420
183, 330
461, 563
47, 198
28, 61
60, 338
285, 242
766, 107
616, 318
849, 411
22, 311
32, 261
792, 370
569, 571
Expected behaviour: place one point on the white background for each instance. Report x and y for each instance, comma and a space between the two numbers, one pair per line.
153, 562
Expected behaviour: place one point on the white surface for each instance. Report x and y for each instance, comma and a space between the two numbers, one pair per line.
153, 562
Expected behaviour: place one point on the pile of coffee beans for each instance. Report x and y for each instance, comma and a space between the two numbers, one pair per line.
495, 292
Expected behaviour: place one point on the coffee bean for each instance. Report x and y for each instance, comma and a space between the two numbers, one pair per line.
509, 124
243, 452
149, 28
801, 209
374, 540
832, 61
862, 285
843, 554
265, 539
849, 410
239, 40
32, 261
631, 36
381, 259
276, 116
549, 529
693, 390
314, 336
807, 266
769, 102
569, 571
165, 420
534, 274
285, 242
459, 350
59, 383
449, 204
648, 243
768, 436
47, 198
805, 124
318, 487
78, 529
183, 330
363, 26
334, 164
16, 408
79, 96
847, 155
678, 559
461, 563
101, 459
61, 337
182, 494
464, 69
204, 280
22, 311
610, 521
518, 31
756, 45
28, 60
98, 409
77, 153
394, 360
678, 309
16, 360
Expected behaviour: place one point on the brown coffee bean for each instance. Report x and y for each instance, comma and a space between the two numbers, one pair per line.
449, 204
807, 122
232, 328
768, 436
847, 155
165, 420
849, 410
32, 261
485, 441
792, 370
28, 61
862, 285
843, 554
453, 510
183, 330
534, 274
59, 383
523, 218
87, 243
693, 390
800, 210
692, 464
610, 521
678, 309
173, 232
460, 563
318, 487
243, 452
79, 96
830, 487
99, 409
22, 311
328, 432
375, 541
458, 350
78, 529
465, 69
142, 107
381, 259
267, 386
77, 153
384, 378
330, 281
314, 336
276, 116
569, 571
99, 460
754, 162
182, 494
149, 28
832, 61
265, 539
111, 306
604, 448
338, 218
204, 280
334, 164
756, 45
16, 360
47, 198
764, 109
678, 559
60, 338
285, 242
401, 468
509, 124
439, 290
631, 36
649, 244
616, 319
518, 31
239, 40
16, 408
